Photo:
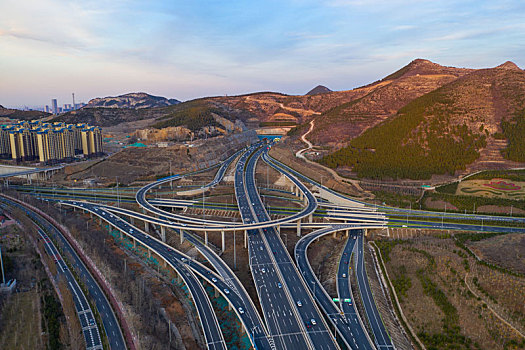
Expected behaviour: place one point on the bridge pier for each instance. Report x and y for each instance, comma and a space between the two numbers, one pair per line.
206, 238
279, 229
134, 243
132, 220
311, 218
334, 235
299, 228
245, 239
181, 234
149, 253
146, 226
163, 233
223, 241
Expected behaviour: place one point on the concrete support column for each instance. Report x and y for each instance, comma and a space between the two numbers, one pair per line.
181, 234
245, 239
146, 226
311, 218
132, 220
149, 253
334, 234
346, 233
134, 244
299, 228
163, 233
206, 238
216, 292
99, 220
279, 229
223, 240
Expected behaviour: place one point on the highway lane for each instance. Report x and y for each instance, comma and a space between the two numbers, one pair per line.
109, 320
179, 262
382, 338
306, 310
277, 306
235, 285
400, 210
82, 307
348, 326
237, 297
344, 293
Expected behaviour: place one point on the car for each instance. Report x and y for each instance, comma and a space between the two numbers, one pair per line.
183, 259
226, 291
344, 275
263, 270
299, 303
279, 285
308, 324
313, 321
91, 322
241, 310
183, 224
214, 280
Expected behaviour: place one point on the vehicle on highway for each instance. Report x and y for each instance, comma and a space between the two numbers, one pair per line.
241, 310
214, 280
299, 303
226, 291
279, 285
263, 270
313, 321
344, 275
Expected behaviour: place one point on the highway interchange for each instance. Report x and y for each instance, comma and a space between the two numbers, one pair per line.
297, 313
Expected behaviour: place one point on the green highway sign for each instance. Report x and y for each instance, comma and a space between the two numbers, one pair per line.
336, 300
348, 300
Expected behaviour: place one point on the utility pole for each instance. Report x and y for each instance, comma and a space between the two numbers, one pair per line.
2, 263
118, 198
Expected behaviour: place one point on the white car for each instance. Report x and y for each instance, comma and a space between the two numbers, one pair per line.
241, 311
299, 303
344, 275
226, 291
313, 321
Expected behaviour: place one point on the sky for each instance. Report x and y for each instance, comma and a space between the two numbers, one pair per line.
190, 49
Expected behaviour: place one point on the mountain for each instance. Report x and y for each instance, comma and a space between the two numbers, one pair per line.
475, 121
383, 99
319, 89
135, 100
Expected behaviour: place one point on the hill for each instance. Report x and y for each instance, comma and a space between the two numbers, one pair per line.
22, 115
136, 100
319, 89
383, 99
473, 122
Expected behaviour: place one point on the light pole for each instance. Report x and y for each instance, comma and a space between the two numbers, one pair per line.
118, 198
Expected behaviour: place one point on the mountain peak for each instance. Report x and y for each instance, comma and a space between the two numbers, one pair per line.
509, 65
319, 89
134, 100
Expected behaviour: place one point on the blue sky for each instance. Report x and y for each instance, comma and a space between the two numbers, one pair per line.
189, 49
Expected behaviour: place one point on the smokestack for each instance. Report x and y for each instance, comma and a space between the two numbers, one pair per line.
73, 100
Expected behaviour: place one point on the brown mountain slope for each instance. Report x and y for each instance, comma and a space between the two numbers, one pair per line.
467, 122
385, 98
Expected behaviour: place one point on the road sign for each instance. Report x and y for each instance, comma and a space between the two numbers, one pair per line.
348, 300
336, 300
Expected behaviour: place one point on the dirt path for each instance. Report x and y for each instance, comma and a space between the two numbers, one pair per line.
491, 309
299, 153
332, 172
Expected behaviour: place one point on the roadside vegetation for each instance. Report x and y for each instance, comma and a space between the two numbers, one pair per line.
451, 299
